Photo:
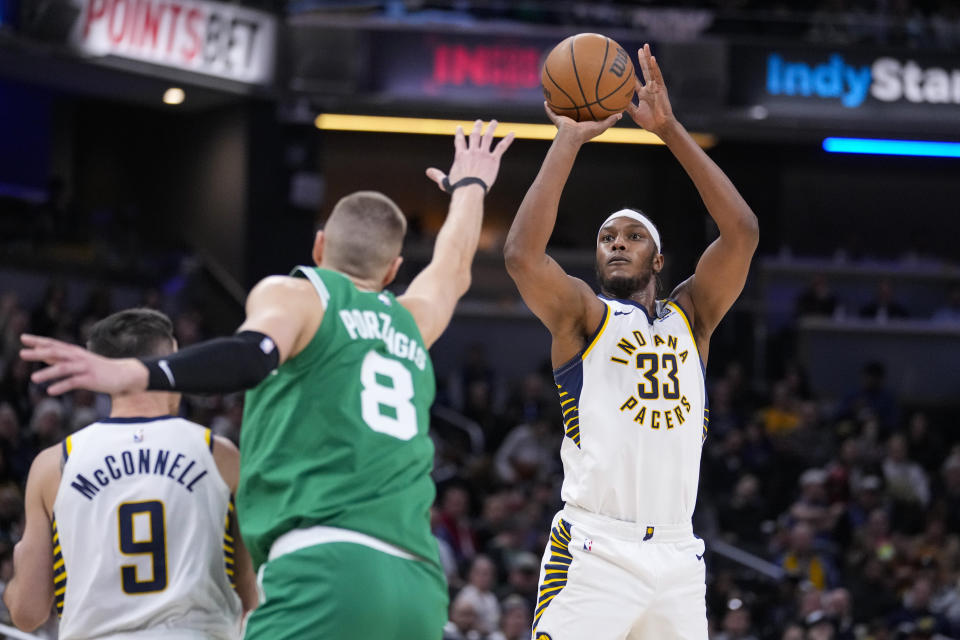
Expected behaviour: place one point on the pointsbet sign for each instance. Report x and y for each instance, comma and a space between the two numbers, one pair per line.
223, 40
886, 79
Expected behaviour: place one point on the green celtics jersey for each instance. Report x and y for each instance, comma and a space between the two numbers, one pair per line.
337, 436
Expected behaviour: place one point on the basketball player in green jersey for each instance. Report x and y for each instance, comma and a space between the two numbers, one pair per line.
335, 489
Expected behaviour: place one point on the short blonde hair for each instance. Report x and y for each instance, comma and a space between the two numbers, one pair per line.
364, 234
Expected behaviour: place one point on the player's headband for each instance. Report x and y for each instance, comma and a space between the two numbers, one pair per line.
639, 217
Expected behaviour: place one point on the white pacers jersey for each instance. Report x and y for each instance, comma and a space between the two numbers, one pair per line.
635, 416
141, 533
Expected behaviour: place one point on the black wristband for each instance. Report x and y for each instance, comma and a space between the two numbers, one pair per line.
462, 182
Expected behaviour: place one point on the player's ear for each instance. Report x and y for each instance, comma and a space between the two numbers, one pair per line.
658, 263
392, 271
318, 248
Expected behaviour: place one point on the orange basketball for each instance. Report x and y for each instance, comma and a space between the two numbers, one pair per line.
588, 77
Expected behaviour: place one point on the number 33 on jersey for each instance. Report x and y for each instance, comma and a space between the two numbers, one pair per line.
635, 412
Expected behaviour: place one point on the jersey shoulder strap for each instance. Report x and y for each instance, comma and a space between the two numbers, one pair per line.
311, 274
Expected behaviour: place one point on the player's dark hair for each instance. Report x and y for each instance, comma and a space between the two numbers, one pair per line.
364, 233
132, 333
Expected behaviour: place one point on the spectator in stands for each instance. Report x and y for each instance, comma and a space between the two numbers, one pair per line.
83, 410
18, 452
737, 624
883, 307
915, 609
51, 317
480, 582
925, 446
872, 587
524, 572
950, 493
906, 481
820, 626
793, 631
515, 622
781, 416
528, 452
812, 507
47, 424
453, 523
804, 562
838, 607
463, 622
739, 518
872, 399
867, 497
949, 313
817, 299
17, 390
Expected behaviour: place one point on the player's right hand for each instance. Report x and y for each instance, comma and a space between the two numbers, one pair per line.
72, 367
474, 156
580, 132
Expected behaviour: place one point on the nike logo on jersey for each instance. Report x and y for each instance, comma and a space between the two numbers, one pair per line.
622, 313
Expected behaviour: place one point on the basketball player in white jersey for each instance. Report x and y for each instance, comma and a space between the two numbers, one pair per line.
130, 527
622, 561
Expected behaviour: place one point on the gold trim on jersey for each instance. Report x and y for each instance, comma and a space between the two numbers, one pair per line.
229, 562
59, 569
556, 569
686, 321
69, 445
571, 415
596, 337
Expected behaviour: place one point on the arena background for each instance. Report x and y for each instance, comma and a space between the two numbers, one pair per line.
830, 493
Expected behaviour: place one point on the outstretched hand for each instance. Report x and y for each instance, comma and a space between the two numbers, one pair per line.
581, 131
474, 157
652, 111
72, 367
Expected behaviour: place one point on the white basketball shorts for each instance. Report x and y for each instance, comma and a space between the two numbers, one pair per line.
606, 579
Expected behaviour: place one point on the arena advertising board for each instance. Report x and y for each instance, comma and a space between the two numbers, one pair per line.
223, 40
847, 82
460, 68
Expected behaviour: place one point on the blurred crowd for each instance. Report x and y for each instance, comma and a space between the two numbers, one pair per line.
844, 513
819, 299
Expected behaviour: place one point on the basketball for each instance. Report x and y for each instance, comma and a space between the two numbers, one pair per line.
588, 77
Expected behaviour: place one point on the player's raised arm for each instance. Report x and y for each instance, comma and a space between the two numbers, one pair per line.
279, 323
29, 594
566, 305
433, 294
722, 270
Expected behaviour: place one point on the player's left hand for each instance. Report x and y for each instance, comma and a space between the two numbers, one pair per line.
72, 367
652, 111
474, 156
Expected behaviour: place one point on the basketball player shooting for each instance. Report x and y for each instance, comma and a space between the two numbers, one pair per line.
622, 560
335, 487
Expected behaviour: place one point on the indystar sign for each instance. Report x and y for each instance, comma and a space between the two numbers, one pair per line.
885, 79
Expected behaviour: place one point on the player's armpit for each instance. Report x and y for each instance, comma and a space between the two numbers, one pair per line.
286, 309
29, 594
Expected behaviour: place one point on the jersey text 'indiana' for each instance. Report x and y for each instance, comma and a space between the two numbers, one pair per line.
159, 462
370, 326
